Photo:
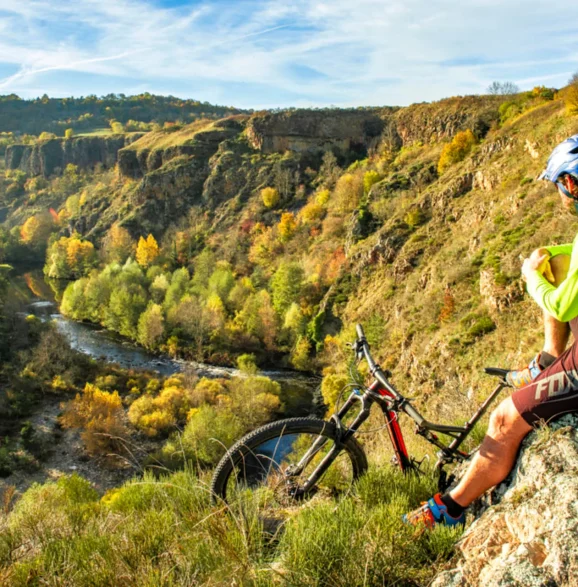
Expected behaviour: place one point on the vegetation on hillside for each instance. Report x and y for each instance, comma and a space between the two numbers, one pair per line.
132, 113
420, 243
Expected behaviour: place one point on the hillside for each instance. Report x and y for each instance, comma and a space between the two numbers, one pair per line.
55, 115
262, 238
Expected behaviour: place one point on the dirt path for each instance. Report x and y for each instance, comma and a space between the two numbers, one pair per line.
65, 455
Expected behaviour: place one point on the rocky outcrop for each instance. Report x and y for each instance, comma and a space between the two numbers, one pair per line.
304, 130
528, 534
51, 156
498, 297
158, 148
427, 123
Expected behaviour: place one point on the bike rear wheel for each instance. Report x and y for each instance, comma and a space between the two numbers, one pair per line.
275, 463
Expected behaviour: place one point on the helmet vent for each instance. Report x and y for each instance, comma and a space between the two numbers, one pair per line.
574, 151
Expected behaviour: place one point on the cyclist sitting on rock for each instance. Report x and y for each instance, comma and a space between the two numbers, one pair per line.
548, 387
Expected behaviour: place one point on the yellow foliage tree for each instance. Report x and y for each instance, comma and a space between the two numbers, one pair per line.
322, 197
147, 251
332, 387
457, 150
348, 192
287, 226
100, 414
369, 179
79, 255
312, 212
270, 197
37, 229
118, 244
68, 133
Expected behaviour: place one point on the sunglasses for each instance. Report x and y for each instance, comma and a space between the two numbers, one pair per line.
560, 184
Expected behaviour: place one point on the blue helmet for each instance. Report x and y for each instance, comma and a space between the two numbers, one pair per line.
564, 159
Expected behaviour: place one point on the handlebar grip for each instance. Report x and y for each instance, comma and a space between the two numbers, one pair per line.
360, 333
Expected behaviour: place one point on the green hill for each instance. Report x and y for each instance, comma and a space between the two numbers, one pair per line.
273, 233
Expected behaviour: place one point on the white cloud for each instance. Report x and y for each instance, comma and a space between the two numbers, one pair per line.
365, 52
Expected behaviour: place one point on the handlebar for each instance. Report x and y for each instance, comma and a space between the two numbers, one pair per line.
362, 348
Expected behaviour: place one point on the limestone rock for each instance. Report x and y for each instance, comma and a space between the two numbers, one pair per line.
302, 130
532, 149
530, 536
496, 296
485, 181
53, 155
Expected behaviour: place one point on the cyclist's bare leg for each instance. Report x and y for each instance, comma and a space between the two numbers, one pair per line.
495, 458
507, 428
556, 333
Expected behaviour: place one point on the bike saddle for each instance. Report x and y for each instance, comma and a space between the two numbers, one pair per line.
496, 372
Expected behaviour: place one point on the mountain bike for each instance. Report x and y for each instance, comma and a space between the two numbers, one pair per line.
293, 459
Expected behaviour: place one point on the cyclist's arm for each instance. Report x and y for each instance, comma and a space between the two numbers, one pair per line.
560, 249
560, 302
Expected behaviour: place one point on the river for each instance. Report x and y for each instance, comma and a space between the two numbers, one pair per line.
104, 345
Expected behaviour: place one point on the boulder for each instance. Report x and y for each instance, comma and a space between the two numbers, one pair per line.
527, 533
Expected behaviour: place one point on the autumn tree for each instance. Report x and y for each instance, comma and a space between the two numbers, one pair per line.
348, 192
370, 178
118, 244
46, 136
68, 133
69, 258
151, 326
147, 251
287, 226
286, 286
36, 230
270, 197
116, 127
457, 150
100, 415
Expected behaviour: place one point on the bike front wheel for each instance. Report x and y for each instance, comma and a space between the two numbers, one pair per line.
287, 461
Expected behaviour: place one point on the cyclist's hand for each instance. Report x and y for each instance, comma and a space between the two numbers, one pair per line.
538, 261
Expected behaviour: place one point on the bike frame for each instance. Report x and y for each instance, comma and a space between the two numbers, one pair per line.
382, 392
392, 402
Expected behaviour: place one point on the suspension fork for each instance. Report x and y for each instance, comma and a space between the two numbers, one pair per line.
393, 427
342, 436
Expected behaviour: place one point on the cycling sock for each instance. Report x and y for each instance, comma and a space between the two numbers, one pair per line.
455, 510
546, 359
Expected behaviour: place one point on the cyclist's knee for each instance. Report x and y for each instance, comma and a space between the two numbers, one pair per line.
506, 423
559, 265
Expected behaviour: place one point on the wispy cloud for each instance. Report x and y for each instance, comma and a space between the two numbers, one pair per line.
262, 53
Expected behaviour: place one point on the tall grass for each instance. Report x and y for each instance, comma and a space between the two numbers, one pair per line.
165, 532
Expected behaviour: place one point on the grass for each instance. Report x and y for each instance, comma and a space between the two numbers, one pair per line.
163, 139
95, 132
165, 532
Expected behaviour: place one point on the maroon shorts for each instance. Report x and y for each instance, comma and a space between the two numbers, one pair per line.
555, 391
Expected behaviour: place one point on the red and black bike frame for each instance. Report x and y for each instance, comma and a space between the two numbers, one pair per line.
382, 392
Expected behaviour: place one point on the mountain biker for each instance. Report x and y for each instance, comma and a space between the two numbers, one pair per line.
548, 387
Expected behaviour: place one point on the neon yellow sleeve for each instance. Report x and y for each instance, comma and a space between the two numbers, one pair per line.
560, 249
560, 302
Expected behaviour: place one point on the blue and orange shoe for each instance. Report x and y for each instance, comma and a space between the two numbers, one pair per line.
433, 512
523, 377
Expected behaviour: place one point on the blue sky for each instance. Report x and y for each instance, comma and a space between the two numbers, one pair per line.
264, 54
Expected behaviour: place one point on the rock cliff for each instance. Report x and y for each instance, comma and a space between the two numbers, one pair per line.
302, 130
528, 533
53, 155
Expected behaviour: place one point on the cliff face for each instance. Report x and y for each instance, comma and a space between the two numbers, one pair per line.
156, 149
530, 536
52, 156
303, 130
